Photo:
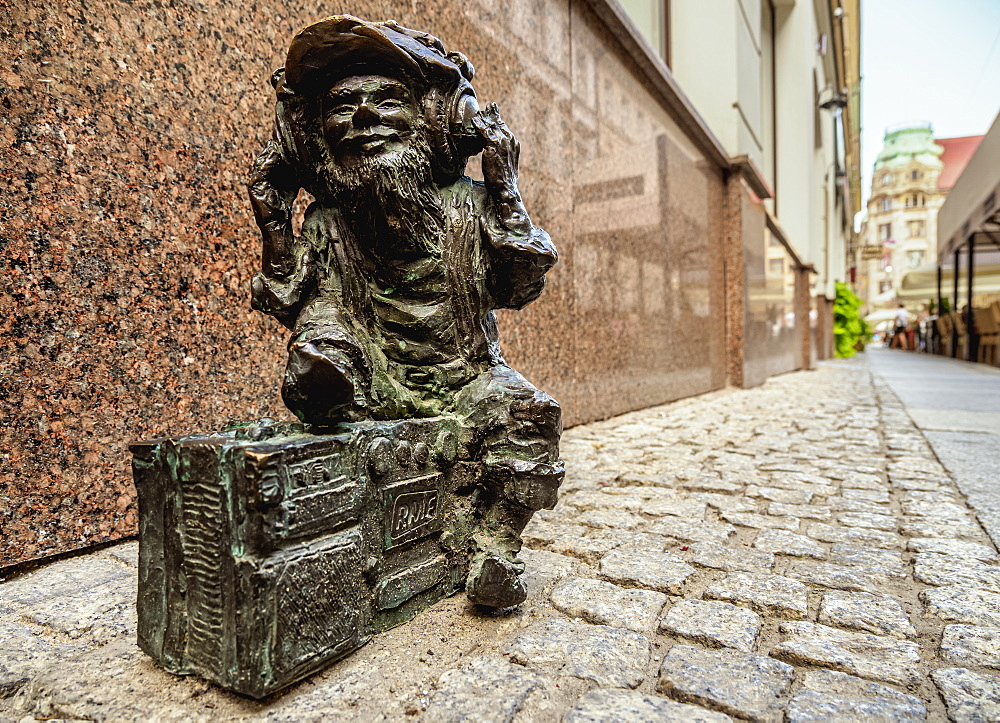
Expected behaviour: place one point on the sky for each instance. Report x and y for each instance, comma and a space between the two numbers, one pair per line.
927, 60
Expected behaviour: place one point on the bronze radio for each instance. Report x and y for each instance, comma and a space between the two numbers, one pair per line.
267, 552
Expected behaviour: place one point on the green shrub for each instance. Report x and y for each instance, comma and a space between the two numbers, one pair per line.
850, 331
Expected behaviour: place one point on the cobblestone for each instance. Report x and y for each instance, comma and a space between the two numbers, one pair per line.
859, 480
971, 645
938, 509
919, 527
959, 604
696, 531
601, 602
942, 570
870, 495
779, 494
618, 519
751, 519
952, 546
828, 695
812, 512
725, 503
764, 593
625, 540
837, 577
23, 653
840, 504
868, 520
878, 614
885, 562
662, 541
676, 507
783, 542
541, 531
608, 656
482, 689
713, 624
856, 535
589, 549
968, 695
737, 683
663, 571
720, 557
868, 656
609, 706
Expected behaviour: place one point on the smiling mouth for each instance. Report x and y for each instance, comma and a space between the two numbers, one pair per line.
370, 141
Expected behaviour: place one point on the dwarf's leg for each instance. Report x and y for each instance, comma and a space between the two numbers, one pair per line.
326, 374
517, 430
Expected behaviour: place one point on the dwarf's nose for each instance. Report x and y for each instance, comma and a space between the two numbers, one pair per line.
365, 114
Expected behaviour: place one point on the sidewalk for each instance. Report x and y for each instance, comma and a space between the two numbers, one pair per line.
794, 551
956, 404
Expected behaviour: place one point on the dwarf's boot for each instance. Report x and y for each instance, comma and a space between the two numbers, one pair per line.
523, 487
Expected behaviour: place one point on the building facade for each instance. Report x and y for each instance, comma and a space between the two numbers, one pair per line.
910, 180
690, 235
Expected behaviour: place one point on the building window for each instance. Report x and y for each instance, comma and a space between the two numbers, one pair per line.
886, 179
651, 18
885, 204
914, 259
915, 175
884, 232
884, 285
915, 200
915, 229
776, 267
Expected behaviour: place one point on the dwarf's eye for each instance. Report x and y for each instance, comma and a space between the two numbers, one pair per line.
390, 103
342, 109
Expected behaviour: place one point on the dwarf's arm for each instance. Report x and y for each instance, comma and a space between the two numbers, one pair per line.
521, 251
286, 271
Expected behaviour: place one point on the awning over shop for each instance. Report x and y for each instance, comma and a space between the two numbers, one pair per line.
921, 284
881, 315
968, 225
970, 215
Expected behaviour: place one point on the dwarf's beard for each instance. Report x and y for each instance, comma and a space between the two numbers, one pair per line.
389, 200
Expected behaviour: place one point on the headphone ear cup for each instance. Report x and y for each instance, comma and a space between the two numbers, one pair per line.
450, 132
466, 139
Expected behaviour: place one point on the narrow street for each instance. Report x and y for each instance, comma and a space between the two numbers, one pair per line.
790, 552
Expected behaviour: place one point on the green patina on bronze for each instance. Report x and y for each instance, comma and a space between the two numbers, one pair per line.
270, 549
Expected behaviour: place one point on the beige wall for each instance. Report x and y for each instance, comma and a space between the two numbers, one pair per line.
721, 55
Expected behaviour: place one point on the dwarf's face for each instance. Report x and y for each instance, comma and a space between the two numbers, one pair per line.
365, 116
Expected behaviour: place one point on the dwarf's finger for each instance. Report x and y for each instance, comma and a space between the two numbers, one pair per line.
485, 128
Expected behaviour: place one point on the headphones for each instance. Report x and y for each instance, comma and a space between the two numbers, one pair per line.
452, 136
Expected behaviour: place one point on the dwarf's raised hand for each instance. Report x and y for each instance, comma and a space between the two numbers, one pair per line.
500, 157
272, 193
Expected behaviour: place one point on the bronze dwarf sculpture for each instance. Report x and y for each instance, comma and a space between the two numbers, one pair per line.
420, 455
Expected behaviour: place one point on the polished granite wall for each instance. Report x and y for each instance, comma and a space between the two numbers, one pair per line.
773, 334
125, 135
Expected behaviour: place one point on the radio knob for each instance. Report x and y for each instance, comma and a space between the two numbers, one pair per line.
404, 452
380, 455
420, 454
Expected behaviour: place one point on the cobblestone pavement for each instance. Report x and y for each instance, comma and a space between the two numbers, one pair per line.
792, 552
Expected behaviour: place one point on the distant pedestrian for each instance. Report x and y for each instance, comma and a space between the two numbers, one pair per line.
899, 332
